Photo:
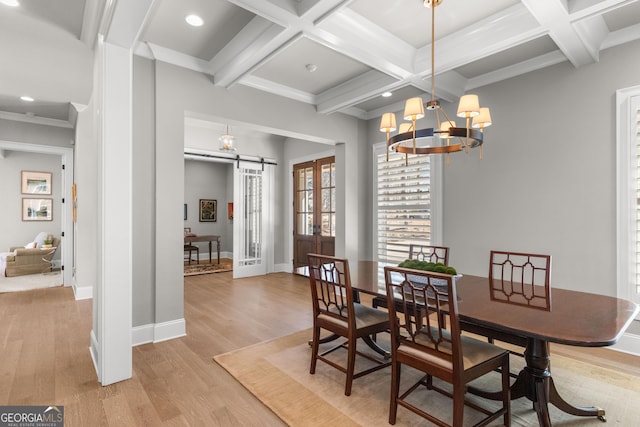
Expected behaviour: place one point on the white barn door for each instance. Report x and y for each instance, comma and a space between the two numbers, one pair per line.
252, 219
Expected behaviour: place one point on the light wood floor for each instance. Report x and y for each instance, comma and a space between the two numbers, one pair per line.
44, 354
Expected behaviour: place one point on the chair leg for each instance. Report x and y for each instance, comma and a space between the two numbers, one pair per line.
395, 391
315, 343
351, 365
506, 392
458, 405
198, 255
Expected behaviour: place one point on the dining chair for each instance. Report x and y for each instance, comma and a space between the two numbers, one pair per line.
436, 351
190, 248
427, 253
518, 278
335, 310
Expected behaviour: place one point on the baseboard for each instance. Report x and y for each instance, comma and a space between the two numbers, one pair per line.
94, 351
158, 332
628, 343
282, 268
82, 292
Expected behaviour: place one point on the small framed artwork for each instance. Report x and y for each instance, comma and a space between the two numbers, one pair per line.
185, 211
37, 209
208, 210
36, 182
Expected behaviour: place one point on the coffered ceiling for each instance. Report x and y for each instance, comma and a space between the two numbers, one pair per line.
339, 55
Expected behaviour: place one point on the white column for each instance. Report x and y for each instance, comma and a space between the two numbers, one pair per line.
111, 336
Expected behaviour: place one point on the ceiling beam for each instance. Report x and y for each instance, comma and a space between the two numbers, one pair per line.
555, 18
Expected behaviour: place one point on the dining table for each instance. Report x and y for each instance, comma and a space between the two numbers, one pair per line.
574, 318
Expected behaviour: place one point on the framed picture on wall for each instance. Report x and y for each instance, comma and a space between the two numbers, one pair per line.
36, 182
208, 210
185, 211
37, 209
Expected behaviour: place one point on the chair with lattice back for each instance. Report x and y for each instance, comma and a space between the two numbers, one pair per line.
429, 253
336, 310
516, 278
427, 345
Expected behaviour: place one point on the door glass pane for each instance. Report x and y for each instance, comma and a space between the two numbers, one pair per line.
252, 221
308, 173
326, 175
326, 200
326, 224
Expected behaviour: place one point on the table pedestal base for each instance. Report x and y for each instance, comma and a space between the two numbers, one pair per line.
536, 384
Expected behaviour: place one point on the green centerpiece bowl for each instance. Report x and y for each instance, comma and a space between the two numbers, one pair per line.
438, 267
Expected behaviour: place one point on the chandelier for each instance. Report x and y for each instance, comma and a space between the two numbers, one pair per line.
410, 140
226, 141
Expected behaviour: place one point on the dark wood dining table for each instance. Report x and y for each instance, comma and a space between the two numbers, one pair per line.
575, 318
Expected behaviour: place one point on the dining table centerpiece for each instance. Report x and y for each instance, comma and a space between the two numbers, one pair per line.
437, 267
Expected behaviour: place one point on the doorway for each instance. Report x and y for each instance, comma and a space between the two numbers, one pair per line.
314, 216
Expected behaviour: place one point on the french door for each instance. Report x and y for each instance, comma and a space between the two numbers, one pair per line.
314, 202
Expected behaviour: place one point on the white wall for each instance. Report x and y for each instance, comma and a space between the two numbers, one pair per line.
547, 183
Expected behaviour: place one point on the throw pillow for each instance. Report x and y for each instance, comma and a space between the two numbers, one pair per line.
30, 245
40, 238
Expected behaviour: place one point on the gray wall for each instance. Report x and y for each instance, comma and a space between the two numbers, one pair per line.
547, 183
14, 231
144, 226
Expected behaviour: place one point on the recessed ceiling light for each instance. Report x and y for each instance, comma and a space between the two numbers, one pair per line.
27, 98
194, 20
10, 2
387, 94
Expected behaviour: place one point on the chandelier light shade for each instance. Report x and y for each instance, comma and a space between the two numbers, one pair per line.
388, 125
227, 141
413, 109
483, 119
445, 137
469, 106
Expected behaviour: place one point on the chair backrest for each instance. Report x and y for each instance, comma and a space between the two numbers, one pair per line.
331, 290
429, 253
520, 278
414, 290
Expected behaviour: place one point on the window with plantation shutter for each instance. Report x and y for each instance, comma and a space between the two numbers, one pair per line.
403, 203
628, 166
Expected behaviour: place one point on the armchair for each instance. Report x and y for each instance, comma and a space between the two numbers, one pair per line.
22, 260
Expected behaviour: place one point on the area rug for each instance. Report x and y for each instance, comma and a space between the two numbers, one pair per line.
206, 268
30, 281
277, 373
